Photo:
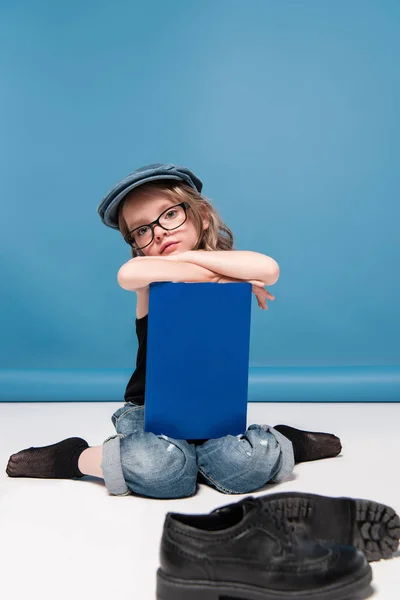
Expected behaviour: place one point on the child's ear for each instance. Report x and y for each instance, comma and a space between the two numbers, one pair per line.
206, 222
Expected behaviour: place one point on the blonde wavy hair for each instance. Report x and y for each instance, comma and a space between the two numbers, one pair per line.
217, 236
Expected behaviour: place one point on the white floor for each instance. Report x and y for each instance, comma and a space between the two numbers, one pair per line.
71, 540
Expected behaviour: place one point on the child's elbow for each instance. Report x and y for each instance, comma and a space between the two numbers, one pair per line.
274, 277
121, 278
273, 272
126, 278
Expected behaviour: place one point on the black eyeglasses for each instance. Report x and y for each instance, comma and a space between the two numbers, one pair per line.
171, 218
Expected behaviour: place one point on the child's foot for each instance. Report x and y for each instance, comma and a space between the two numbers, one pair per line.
308, 445
58, 461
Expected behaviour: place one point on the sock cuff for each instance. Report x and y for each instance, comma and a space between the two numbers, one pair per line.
81, 446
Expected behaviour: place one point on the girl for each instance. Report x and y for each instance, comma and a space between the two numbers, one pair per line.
175, 234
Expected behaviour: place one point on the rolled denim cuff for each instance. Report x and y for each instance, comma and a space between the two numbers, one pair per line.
287, 455
112, 466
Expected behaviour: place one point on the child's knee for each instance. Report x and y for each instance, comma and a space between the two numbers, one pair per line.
243, 464
160, 471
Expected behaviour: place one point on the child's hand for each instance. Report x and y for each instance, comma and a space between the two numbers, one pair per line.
258, 289
261, 293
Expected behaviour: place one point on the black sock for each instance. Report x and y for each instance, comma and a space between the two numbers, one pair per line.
308, 445
58, 461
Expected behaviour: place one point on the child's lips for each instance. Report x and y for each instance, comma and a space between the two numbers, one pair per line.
171, 245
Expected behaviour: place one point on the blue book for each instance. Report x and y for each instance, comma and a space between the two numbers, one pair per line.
197, 363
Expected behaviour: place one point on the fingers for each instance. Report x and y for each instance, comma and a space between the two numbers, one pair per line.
261, 294
260, 287
265, 294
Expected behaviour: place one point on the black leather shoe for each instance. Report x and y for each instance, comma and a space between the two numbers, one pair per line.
371, 527
244, 551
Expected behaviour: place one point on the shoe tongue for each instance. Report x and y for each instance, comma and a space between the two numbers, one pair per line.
247, 504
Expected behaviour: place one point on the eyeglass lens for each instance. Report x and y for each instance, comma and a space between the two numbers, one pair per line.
170, 219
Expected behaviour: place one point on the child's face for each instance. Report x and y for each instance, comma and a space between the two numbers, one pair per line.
141, 211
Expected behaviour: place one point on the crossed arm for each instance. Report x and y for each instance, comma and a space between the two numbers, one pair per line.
239, 264
199, 265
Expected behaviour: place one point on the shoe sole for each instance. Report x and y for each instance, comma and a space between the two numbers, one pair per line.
172, 588
371, 527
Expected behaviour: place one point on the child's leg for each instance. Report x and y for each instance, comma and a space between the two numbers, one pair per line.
245, 463
242, 464
89, 462
144, 463
149, 465
131, 461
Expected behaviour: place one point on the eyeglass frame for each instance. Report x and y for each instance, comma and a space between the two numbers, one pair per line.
185, 206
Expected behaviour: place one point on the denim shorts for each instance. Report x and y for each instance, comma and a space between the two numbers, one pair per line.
157, 466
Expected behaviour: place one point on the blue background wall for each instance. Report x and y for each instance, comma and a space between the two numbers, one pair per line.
288, 111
